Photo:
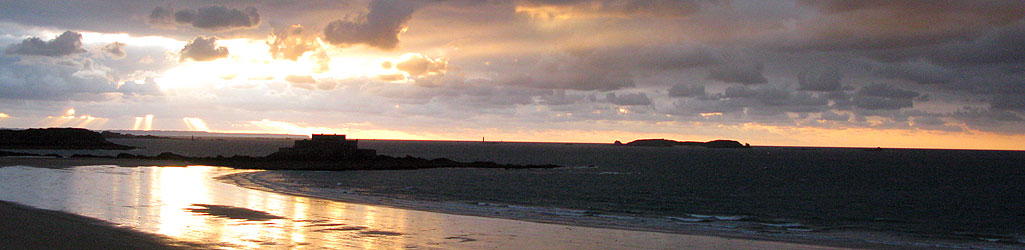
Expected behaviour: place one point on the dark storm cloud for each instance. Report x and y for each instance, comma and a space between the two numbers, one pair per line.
681, 90
379, 28
828, 80
202, 49
1005, 45
215, 18
628, 99
902, 24
740, 72
115, 50
884, 97
66, 44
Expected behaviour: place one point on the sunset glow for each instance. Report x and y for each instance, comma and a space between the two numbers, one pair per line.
802, 73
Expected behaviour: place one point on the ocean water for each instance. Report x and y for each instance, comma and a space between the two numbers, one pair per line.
950, 195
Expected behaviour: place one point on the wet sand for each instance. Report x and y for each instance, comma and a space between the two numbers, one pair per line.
24, 227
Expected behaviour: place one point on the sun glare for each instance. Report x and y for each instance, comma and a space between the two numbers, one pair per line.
143, 123
195, 124
249, 61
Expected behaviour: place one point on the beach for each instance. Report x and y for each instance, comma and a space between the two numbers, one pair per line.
24, 227
203, 210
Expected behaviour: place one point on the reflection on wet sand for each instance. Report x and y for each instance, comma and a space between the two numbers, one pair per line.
188, 204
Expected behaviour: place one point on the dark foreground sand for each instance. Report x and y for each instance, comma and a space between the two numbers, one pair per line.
23, 227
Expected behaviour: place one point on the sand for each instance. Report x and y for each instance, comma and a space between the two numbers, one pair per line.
23, 227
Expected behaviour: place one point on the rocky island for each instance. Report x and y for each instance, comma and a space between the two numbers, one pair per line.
672, 143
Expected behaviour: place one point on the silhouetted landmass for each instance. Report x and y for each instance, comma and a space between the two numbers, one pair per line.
672, 143
322, 152
109, 134
56, 138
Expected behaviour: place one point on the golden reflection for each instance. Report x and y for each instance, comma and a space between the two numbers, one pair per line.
175, 190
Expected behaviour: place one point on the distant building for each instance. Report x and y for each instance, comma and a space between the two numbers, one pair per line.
324, 147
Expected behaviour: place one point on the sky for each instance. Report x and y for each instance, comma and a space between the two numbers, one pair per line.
874, 73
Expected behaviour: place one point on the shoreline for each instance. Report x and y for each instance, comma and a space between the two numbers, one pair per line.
251, 180
345, 225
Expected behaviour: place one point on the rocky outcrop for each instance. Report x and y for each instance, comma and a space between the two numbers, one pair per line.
56, 138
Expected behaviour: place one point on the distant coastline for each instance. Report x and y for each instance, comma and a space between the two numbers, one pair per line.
672, 143
56, 138
320, 156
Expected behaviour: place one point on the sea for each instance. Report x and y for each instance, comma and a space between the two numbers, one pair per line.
968, 199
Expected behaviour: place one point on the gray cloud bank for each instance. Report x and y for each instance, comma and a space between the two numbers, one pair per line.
67, 43
215, 18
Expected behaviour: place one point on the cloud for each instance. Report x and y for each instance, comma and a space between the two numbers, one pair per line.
883, 97
309, 83
559, 97
575, 70
933, 123
834, 116
202, 49
379, 28
630, 99
67, 43
115, 50
1007, 102
146, 87
64, 80
880, 24
419, 65
918, 71
392, 77
742, 72
828, 80
161, 17
216, 18
681, 90
304, 82
763, 101
323, 62
555, 9
289, 43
